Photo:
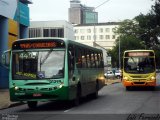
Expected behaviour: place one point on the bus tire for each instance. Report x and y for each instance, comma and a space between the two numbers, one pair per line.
32, 104
78, 96
128, 88
95, 94
152, 88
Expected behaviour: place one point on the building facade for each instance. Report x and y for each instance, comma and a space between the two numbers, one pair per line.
14, 22
100, 33
59, 28
81, 14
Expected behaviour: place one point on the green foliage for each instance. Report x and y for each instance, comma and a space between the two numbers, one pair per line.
127, 42
142, 32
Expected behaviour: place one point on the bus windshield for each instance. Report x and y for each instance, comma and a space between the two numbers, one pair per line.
43, 64
139, 65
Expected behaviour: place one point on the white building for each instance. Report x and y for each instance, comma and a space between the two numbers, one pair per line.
104, 34
59, 28
83, 33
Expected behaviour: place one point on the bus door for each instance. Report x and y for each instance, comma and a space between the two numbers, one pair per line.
71, 64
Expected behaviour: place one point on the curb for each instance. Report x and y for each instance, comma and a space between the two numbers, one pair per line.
16, 104
4, 106
109, 82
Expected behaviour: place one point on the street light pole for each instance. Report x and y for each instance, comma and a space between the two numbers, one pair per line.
119, 55
94, 36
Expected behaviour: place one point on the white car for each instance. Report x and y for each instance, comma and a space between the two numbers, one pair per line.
109, 74
118, 74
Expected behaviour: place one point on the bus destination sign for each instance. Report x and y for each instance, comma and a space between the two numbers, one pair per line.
38, 44
134, 54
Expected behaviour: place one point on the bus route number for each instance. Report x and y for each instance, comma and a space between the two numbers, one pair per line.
27, 56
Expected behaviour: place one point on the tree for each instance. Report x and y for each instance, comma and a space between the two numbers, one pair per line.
142, 32
127, 42
147, 30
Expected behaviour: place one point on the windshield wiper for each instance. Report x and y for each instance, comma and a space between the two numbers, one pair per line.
45, 58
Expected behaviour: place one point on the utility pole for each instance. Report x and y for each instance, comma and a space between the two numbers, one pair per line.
119, 54
94, 36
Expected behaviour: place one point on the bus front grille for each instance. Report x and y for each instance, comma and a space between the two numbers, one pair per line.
139, 82
38, 97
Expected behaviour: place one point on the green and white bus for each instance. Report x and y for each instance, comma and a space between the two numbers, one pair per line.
53, 69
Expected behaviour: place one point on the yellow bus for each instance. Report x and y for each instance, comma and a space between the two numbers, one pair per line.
139, 68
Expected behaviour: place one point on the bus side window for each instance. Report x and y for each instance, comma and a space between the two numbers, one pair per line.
84, 60
96, 60
78, 58
101, 60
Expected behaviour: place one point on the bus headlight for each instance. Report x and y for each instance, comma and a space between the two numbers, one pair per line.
56, 87
16, 88
153, 78
125, 78
60, 86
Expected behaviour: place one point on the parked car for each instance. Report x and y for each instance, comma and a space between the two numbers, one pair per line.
109, 74
118, 74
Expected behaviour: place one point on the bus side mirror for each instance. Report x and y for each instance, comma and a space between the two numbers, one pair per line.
6, 59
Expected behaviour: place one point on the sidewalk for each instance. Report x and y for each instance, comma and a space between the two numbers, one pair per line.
5, 99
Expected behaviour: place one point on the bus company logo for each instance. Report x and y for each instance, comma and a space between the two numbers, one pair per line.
38, 45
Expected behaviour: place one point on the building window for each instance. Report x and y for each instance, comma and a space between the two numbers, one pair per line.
45, 32
82, 37
101, 37
107, 30
88, 30
113, 36
53, 33
34, 32
107, 37
101, 30
60, 32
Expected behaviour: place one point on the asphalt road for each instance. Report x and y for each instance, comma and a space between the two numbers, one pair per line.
114, 102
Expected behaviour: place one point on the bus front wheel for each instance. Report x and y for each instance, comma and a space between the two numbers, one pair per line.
32, 104
128, 88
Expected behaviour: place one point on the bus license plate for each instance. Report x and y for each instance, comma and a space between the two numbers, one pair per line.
37, 95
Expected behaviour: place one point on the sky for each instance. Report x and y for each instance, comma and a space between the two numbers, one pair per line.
111, 11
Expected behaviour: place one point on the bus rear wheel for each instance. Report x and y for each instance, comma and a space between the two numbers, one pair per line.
95, 94
32, 104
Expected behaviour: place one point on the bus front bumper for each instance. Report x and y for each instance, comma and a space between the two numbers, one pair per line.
35, 95
139, 83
